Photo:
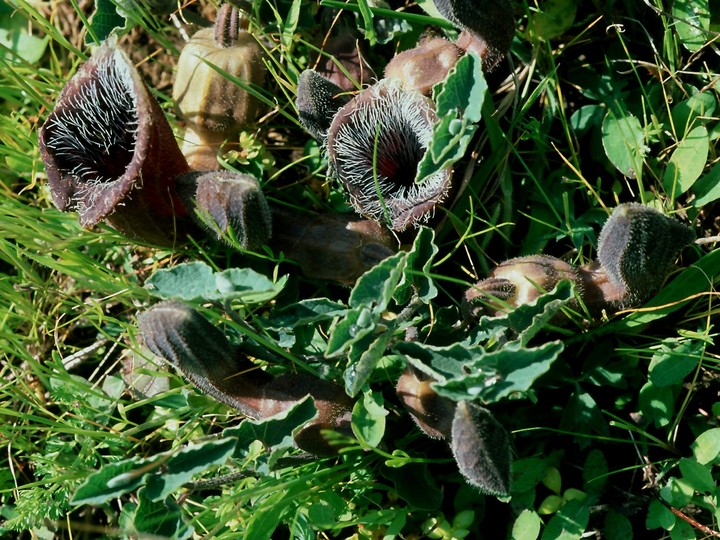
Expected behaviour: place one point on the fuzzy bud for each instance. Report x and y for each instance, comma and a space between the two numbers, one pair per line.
431, 412
181, 336
519, 281
318, 100
637, 248
481, 447
228, 205
424, 66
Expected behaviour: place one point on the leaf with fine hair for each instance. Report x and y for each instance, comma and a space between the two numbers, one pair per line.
459, 102
197, 282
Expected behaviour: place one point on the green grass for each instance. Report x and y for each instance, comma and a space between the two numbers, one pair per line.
621, 428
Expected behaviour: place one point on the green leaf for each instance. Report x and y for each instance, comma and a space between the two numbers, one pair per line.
464, 89
262, 523
364, 357
552, 480
16, 41
275, 431
305, 312
659, 516
517, 369
553, 20
687, 162
674, 361
290, 23
585, 118
376, 287
440, 363
197, 282
416, 278
105, 20
617, 526
623, 139
353, 328
686, 114
186, 463
595, 471
459, 102
706, 447
528, 473
582, 414
527, 526
707, 188
682, 530
657, 404
692, 22
697, 475
115, 479
162, 519
569, 523
368, 418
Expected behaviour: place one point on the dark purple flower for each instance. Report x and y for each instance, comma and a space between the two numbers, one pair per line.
375, 143
110, 153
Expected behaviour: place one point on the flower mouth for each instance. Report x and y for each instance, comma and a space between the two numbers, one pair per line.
91, 141
375, 144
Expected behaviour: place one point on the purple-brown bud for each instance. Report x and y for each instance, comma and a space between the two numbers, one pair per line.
229, 205
637, 248
424, 66
334, 247
519, 281
185, 339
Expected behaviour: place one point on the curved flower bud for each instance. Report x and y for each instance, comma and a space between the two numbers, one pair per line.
228, 205
637, 248
488, 27
519, 281
424, 66
375, 143
481, 447
185, 339
431, 412
318, 101
110, 153
334, 247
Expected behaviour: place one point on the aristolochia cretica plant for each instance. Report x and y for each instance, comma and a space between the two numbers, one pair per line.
214, 71
185, 339
636, 250
110, 154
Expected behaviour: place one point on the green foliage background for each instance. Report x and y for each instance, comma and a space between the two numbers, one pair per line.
600, 102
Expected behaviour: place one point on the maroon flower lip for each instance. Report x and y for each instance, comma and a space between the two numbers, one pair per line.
110, 153
375, 143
